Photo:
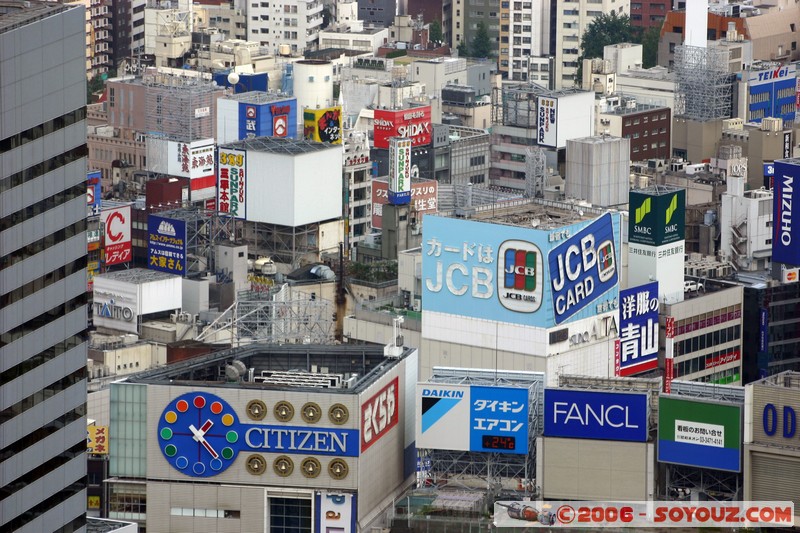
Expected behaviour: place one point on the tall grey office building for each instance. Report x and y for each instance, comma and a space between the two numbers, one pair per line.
43, 267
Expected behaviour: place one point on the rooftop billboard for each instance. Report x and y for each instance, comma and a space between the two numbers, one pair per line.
699, 433
786, 238
595, 415
414, 123
657, 219
520, 275
638, 331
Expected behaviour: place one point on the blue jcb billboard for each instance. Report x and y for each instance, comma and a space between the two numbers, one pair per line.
525, 276
472, 418
595, 415
786, 237
638, 330
166, 245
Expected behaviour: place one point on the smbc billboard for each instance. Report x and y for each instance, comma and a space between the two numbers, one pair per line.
657, 218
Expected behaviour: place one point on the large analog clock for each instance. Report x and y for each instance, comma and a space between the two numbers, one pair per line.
197, 434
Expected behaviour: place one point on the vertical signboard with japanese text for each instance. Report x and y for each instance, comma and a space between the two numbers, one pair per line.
472, 418
546, 121
97, 440
399, 171
424, 199
166, 245
231, 183
699, 433
116, 230
638, 332
323, 125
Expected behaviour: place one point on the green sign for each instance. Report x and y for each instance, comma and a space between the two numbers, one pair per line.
699, 433
657, 219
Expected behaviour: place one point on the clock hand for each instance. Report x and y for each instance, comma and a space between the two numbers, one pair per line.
199, 436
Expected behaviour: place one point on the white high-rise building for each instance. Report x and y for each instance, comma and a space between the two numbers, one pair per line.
525, 40
572, 19
294, 23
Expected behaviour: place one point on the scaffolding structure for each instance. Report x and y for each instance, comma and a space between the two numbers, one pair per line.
178, 107
704, 84
204, 229
276, 317
509, 475
535, 172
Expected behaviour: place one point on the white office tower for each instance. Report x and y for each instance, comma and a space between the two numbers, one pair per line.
43, 271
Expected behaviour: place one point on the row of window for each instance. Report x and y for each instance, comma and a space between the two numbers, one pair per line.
40, 130
40, 358
41, 395
42, 244
36, 209
43, 469
646, 119
39, 169
56, 499
204, 513
42, 320
708, 340
653, 146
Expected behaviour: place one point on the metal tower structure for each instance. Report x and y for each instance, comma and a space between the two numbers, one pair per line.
535, 172
276, 317
703, 83
204, 229
507, 474
179, 107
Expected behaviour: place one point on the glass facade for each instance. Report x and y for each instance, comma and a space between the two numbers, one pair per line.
289, 515
43, 312
782, 331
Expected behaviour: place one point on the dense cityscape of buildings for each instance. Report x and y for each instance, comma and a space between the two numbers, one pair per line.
318, 243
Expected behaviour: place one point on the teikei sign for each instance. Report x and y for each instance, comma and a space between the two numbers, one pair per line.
166, 245
231, 183
582, 267
399, 171
472, 418
595, 415
379, 414
414, 123
699, 433
116, 230
657, 219
638, 334
520, 275
546, 121
786, 235
200, 435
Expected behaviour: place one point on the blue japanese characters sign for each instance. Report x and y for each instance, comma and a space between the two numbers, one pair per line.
638, 331
166, 245
528, 276
273, 119
472, 418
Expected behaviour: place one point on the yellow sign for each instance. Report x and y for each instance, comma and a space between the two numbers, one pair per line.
97, 441
93, 502
323, 125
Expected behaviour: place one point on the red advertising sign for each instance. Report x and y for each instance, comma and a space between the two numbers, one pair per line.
723, 359
379, 414
117, 234
617, 358
668, 374
424, 199
670, 327
414, 123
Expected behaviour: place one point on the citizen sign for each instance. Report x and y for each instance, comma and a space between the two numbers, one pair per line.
379, 414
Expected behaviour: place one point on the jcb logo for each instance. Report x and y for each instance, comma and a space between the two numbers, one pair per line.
379, 414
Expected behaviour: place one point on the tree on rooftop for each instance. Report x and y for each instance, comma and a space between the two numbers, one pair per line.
604, 30
435, 31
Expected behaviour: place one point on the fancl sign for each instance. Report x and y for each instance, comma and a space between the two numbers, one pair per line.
595, 415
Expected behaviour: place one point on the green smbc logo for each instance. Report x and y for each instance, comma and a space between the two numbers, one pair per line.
673, 206
642, 210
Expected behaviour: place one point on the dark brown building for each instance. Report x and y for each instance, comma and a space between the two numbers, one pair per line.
649, 127
649, 13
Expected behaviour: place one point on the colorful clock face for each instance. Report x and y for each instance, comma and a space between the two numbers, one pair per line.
198, 434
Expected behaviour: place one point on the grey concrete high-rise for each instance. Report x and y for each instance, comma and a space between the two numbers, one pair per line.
43, 267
